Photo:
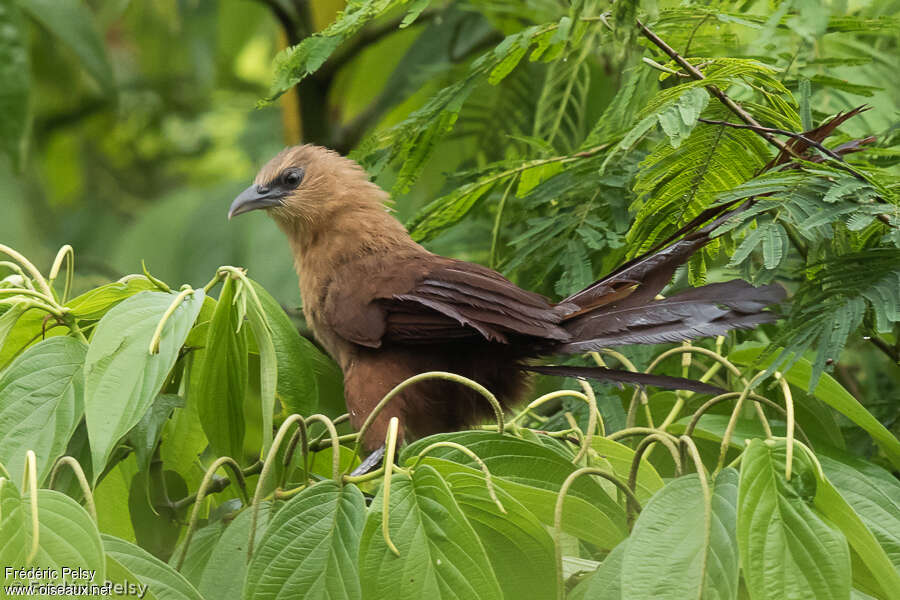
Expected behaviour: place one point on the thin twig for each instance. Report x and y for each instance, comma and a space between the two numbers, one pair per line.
775, 130
217, 485
890, 351
715, 91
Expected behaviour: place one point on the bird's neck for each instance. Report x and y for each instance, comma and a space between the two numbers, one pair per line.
320, 249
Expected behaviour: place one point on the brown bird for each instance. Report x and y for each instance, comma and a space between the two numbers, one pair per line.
386, 308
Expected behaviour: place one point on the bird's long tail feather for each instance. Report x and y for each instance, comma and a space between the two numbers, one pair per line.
705, 311
621, 376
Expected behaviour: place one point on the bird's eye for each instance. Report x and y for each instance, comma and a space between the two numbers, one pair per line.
293, 177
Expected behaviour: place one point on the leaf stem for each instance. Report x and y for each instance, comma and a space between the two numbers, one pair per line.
82, 482
302, 436
470, 383
335, 444
264, 475
157, 334
391, 443
201, 492
558, 515
68, 254
487, 474
29, 266
29, 480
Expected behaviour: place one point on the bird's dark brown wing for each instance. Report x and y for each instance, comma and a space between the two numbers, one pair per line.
434, 300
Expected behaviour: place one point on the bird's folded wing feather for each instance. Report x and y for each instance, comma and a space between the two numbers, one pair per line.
434, 300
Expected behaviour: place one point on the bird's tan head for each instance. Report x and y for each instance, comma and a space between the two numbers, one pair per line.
307, 184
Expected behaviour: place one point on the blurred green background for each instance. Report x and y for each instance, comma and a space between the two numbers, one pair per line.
144, 164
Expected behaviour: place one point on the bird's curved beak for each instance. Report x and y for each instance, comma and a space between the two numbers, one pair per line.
253, 198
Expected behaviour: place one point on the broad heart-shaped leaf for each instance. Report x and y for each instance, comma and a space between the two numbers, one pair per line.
309, 551
518, 546
41, 403
225, 570
142, 568
16, 77
221, 378
121, 376
297, 387
67, 537
533, 474
829, 391
863, 500
440, 557
72, 22
606, 582
681, 547
787, 550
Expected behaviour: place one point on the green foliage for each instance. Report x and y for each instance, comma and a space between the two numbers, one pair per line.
41, 403
550, 140
221, 376
684, 543
476, 514
134, 348
435, 545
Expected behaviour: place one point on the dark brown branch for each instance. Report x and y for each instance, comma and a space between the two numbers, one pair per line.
218, 484
889, 350
286, 21
733, 106
797, 136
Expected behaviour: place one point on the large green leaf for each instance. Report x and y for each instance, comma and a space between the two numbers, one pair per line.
9, 319
67, 536
41, 403
202, 545
864, 501
156, 524
225, 570
31, 327
533, 474
121, 376
606, 582
15, 81
787, 550
93, 304
268, 368
829, 391
440, 555
310, 549
144, 569
297, 386
72, 22
144, 436
581, 518
518, 546
221, 379
183, 432
681, 547
108, 499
